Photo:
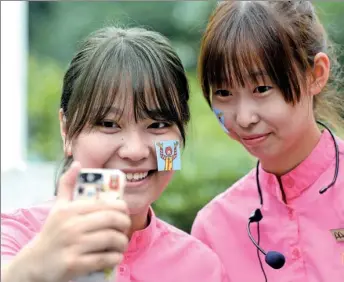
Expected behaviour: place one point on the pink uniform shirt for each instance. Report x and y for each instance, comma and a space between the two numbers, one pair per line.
299, 229
159, 253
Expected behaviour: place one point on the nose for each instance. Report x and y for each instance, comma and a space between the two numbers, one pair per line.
134, 147
246, 115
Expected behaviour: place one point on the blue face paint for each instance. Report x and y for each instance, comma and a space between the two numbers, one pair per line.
221, 118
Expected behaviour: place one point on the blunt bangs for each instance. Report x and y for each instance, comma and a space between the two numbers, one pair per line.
126, 72
244, 42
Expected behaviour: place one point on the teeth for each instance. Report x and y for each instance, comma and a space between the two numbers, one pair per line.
136, 176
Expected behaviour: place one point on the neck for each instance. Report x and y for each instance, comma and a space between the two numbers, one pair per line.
297, 153
138, 222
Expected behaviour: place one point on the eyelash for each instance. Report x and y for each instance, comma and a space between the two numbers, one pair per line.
154, 125
166, 124
104, 122
264, 87
222, 93
226, 93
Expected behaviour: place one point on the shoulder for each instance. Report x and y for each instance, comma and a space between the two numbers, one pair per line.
242, 194
20, 226
341, 148
187, 244
331, 168
340, 180
32, 217
192, 258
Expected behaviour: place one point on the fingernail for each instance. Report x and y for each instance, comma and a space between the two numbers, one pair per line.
109, 197
74, 164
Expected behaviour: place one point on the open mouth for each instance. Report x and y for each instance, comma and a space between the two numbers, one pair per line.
138, 176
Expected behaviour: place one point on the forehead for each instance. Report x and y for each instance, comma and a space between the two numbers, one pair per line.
138, 98
250, 79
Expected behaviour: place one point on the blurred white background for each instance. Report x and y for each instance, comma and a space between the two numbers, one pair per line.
21, 184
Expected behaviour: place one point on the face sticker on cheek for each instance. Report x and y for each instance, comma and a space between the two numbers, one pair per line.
221, 118
168, 155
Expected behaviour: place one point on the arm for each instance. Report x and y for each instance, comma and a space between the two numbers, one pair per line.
14, 236
13, 271
175, 151
55, 251
199, 231
162, 154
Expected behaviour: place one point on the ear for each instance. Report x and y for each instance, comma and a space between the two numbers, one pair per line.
67, 148
320, 73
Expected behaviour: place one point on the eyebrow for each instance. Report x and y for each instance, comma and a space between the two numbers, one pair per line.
258, 73
251, 73
108, 110
155, 114
113, 110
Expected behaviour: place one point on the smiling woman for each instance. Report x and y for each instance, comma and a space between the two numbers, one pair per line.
125, 95
124, 91
266, 65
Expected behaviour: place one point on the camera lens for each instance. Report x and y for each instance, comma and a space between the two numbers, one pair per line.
90, 177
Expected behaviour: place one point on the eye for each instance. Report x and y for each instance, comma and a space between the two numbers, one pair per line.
222, 93
158, 125
108, 124
262, 89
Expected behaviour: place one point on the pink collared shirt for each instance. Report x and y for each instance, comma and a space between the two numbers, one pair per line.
299, 229
158, 253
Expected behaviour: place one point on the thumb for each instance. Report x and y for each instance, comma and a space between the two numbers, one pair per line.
67, 183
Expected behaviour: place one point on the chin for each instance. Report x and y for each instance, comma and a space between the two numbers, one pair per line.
138, 210
263, 154
137, 206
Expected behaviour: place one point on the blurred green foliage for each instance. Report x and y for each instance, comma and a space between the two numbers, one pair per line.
210, 162
44, 86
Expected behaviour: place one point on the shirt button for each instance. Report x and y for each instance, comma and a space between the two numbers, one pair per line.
123, 269
291, 214
296, 254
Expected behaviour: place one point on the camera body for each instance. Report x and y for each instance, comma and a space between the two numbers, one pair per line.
90, 184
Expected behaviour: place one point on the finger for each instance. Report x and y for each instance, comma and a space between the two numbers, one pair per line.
105, 219
114, 197
67, 183
89, 263
101, 241
110, 196
92, 205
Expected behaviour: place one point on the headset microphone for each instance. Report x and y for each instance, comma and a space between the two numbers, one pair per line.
275, 259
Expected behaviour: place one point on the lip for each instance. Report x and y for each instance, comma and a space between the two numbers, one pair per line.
256, 139
138, 184
141, 183
135, 170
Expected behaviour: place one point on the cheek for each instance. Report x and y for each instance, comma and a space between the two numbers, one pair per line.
92, 150
276, 113
223, 113
163, 179
286, 117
